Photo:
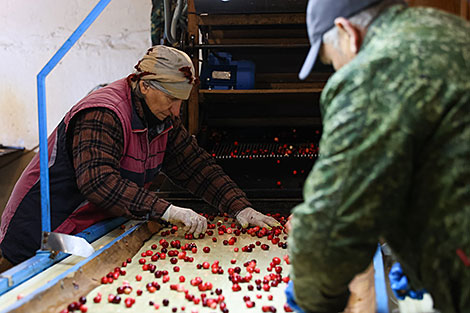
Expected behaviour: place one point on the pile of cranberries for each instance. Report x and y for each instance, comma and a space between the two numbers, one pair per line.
171, 254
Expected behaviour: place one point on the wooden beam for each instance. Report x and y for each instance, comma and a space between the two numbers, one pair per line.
260, 91
465, 9
193, 101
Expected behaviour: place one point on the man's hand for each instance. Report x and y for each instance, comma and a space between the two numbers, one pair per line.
191, 221
250, 216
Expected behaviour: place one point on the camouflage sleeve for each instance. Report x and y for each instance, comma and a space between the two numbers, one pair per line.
365, 160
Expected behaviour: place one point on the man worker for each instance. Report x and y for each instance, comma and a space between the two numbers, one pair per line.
107, 150
394, 158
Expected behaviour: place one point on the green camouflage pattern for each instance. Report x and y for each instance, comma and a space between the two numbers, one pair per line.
157, 22
394, 165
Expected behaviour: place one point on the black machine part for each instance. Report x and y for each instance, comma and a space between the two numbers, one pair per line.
249, 6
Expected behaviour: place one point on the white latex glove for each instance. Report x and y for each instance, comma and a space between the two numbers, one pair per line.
191, 221
250, 216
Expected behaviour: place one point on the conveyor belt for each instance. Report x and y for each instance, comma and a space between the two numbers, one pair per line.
264, 150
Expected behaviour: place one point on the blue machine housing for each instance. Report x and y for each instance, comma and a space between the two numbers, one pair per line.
221, 72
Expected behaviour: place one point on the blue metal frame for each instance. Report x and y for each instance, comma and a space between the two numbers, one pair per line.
72, 270
41, 261
41, 85
381, 296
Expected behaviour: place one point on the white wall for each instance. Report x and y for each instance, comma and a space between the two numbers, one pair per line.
31, 31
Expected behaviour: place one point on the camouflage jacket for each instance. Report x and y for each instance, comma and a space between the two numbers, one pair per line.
394, 164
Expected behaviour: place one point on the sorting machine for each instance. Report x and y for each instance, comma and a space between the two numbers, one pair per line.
251, 112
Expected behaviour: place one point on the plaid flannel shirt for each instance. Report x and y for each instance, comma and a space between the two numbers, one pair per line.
97, 145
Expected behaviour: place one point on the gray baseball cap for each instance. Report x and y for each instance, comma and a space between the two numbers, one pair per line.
321, 15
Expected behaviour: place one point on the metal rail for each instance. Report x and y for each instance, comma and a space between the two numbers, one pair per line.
42, 115
33, 266
70, 271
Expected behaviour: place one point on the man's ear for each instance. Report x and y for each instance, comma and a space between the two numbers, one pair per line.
345, 27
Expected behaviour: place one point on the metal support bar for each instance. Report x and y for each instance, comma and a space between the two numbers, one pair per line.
41, 78
70, 271
381, 297
41, 261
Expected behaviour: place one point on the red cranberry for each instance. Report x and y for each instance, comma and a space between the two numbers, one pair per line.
165, 302
287, 308
236, 287
249, 304
73, 306
117, 300
206, 249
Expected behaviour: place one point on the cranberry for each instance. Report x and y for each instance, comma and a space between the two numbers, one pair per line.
166, 279
165, 302
139, 292
249, 304
73, 306
265, 247
83, 308
176, 268
236, 287
206, 249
